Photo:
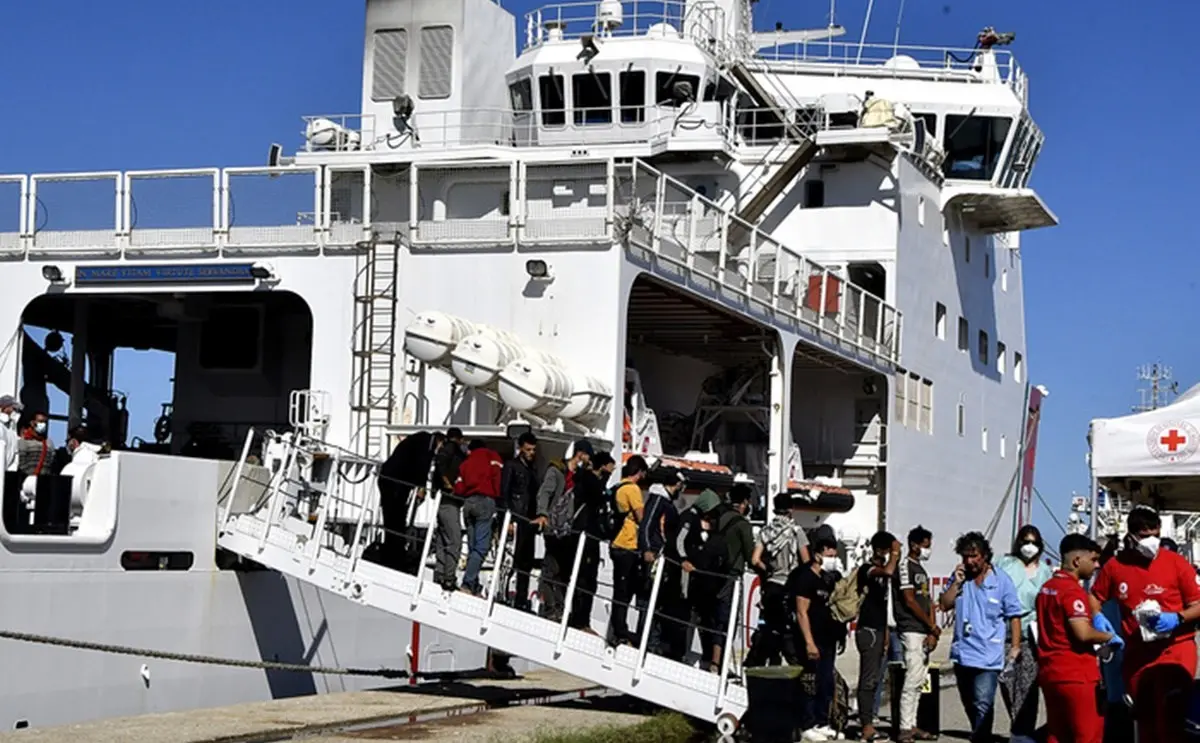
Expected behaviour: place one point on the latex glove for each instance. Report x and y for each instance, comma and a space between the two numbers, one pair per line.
1166, 622
1116, 641
1101, 624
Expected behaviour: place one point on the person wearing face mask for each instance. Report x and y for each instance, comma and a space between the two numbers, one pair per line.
10, 408
1160, 650
985, 609
780, 548
1028, 572
810, 587
35, 451
917, 626
65, 453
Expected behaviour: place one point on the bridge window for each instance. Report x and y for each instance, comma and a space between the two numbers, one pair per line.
633, 96
939, 320
973, 146
591, 96
984, 347
521, 94
964, 334
390, 64
961, 416
930, 121
552, 101
437, 62
672, 88
1018, 367
814, 194
1001, 361
926, 422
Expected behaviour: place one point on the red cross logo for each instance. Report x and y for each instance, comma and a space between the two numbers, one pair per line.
1173, 440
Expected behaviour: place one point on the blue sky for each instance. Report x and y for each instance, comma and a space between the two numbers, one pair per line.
139, 84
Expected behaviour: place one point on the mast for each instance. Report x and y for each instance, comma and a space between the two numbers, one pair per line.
1154, 397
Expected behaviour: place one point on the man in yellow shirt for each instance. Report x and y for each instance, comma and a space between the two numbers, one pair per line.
626, 562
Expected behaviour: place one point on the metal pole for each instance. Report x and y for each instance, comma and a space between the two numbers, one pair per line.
1094, 516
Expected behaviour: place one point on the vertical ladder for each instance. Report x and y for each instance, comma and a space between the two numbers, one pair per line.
373, 389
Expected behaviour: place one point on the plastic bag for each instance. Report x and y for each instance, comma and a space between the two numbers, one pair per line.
1147, 614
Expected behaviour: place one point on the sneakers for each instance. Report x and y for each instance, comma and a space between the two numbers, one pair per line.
822, 733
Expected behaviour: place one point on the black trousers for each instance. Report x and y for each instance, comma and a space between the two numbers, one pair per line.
394, 507
672, 616
626, 574
524, 544
556, 572
585, 586
775, 639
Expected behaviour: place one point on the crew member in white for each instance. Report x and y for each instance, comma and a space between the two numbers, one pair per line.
10, 412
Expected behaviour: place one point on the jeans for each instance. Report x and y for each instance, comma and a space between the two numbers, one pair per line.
447, 541
477, 514
916, 671
872, 655
977, 689
626, 568
814, 710
895, 652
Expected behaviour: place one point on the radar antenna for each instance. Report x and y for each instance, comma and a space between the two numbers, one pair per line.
1161, 385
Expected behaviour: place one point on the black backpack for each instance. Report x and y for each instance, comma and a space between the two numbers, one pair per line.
609, 519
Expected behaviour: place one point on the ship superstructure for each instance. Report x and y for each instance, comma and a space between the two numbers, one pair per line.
650, 227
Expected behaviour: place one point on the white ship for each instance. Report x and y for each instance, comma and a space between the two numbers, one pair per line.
797, 256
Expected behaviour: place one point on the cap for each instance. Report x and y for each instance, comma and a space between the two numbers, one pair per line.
7, 401
584, 446
707, 501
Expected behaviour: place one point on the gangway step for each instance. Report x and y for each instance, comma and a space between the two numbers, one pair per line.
625, 669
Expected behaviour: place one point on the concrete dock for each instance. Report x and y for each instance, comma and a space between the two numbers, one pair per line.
341, 716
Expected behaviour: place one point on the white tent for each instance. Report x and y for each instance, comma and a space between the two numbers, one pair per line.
1154, 457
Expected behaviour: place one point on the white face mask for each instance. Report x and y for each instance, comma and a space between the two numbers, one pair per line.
1148, 547
829, 564
1029, 551
926, 553
5, 419
39, 428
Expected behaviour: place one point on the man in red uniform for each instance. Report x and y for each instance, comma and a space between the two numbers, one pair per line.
1067, 670
1158, 671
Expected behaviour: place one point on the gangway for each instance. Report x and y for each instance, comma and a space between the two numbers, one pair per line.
313, 522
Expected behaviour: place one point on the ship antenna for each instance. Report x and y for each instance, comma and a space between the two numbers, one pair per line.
896, 38
862, 39
1153, 397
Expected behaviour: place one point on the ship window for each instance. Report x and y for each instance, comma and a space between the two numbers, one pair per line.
1004, 279
967, 248
964, 334
930, 123
921, 210
551, 100
1001, 360
633, 96
133, 560
926, 423
983, 440
230, 339
437, 62
1018, 367
961, 416
390, 64
814, 194
900, 385
668, 86
591, 96
987, 266
939, 320
914, 401
521, 94
973, 145
1003, 446
984, 347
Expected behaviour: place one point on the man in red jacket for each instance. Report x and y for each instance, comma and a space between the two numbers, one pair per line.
1159, 595
479, 483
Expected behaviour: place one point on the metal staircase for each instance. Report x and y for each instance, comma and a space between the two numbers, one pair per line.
374, 345
778, 102
313, 522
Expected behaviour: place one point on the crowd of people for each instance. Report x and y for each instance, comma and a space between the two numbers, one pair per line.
1020, 629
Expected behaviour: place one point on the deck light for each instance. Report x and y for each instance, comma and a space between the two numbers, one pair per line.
53, 274
537, 269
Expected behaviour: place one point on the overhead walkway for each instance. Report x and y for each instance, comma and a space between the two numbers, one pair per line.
317, 518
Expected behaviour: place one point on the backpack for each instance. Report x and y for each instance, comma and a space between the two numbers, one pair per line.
609, 520
845, 600
562, 515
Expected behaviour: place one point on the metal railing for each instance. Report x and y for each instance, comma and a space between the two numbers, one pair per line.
887, 60
702, 22
645, 125
663, 218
